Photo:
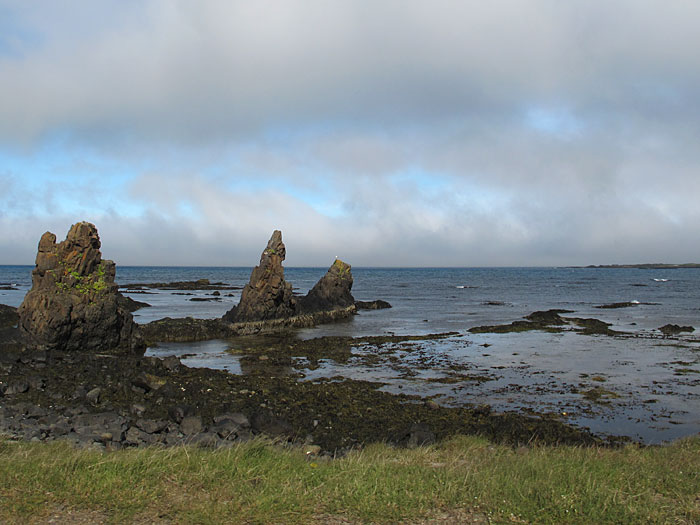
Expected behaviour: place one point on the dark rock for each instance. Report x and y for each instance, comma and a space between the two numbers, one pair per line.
674, 329
137, 437
548, 317
226, 428
205, 440
418, 435
191, 425
172, 363
151, 426
19, 386
372, 305
148, 382
267, 295
205, 299
74, 304
185, 329
268, 423
330, 292
179, 412
593, 326
93, 396
239, 419
131, 305
8, 316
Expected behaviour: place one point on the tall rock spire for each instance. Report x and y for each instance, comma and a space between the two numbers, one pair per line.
267, 295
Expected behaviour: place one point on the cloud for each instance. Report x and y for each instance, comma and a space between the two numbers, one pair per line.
399, 132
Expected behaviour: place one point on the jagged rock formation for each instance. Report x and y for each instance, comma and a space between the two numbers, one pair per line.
74, 303
330, 292
267, 295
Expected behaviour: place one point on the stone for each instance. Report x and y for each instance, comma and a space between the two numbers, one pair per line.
191, 425
267, 295
270, 424
377, 304
674, 329
330, 292
226, 428
151, 426
74, 304
239, 419
419, 435
18, 386
179, 412
8, 316
93, 396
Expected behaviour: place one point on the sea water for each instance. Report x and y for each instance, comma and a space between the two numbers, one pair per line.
654, 381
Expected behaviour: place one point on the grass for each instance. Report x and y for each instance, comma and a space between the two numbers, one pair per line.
466, 478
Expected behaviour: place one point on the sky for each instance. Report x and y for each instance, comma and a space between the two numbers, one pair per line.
384, 132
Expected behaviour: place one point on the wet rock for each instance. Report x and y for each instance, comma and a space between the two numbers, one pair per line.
674, 329
267, 295
593, 326
131, 305
74, 303
372, 305
548, 317
185, 329
199, 284
330, 292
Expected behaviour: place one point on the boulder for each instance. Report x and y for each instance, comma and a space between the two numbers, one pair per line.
330, 292
267, 295
74, 303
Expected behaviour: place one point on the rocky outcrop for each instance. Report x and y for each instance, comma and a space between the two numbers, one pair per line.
674, 329
330, 292
267, 295
74, 304
377, 304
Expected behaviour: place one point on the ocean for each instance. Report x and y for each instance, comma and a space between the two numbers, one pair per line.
640, 384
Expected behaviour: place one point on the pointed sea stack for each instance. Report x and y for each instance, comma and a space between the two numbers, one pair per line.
267, 296
331, 292
74, 303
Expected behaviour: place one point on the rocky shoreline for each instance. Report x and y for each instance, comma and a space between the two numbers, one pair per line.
72, 365
120, 401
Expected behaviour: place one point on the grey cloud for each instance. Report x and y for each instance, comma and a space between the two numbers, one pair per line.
228, 105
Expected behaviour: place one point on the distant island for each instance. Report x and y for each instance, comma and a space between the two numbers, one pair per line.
645, 266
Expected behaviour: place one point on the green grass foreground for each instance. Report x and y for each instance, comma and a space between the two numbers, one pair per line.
463, 480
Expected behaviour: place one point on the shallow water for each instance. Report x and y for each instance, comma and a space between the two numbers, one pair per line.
650, 384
